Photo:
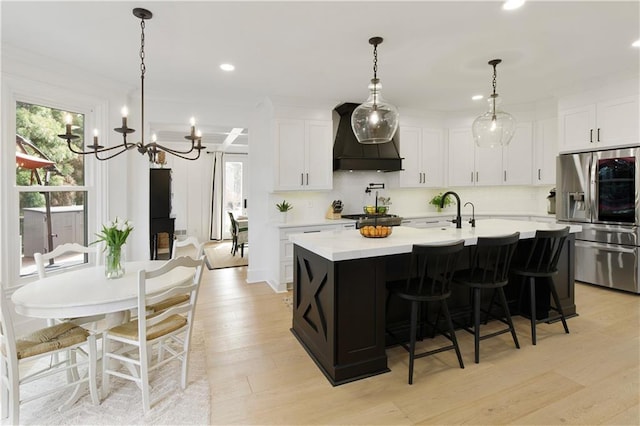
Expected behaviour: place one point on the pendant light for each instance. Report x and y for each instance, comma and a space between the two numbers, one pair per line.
494, 127
375, 121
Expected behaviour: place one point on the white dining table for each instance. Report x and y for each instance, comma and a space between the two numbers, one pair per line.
86, 292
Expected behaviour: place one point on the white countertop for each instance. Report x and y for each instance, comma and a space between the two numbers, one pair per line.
349, 244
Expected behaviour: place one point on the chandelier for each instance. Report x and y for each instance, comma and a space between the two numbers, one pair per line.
494, 127
375, 121
153, 150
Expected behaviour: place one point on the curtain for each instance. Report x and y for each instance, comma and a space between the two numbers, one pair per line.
217, 188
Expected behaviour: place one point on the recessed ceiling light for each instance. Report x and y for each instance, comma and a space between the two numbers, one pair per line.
636, 43
227, 67
477, 97
512, 4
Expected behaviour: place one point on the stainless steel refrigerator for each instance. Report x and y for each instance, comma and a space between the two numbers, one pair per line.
599, 190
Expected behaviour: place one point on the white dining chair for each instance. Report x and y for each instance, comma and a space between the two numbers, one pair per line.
190, 246
42, 259
166, 332
57, 339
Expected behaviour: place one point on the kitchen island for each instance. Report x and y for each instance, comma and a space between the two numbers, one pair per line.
340, 289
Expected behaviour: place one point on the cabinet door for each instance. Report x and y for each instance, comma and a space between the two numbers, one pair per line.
617, 122
290, 148
318, 173
432, 158
461, 157
545, 152
489, 169
576, 127
517, 157
411, 175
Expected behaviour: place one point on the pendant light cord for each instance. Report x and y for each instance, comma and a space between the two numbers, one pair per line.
494, 96
143, 69
375, 76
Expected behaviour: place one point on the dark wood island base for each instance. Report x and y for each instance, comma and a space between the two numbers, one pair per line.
339, 309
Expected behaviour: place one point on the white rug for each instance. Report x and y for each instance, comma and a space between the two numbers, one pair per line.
219, 256
123, 405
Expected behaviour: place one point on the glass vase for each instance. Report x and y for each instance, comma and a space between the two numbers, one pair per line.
114, 262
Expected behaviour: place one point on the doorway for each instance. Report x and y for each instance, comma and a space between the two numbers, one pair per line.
234, 197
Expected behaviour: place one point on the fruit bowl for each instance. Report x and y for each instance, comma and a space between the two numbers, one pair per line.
379, 231
372, 209
377, 227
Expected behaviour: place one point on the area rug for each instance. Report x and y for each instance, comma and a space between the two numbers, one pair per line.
123, 405
219, 256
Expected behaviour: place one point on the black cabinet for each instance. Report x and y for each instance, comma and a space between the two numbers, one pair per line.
160, 208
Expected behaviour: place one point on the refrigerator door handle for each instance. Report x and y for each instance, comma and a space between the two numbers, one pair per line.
592, 201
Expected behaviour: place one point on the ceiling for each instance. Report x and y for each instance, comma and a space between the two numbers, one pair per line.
434, 55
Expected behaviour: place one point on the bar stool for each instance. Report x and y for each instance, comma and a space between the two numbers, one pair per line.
430, 273
542, 263
490, 260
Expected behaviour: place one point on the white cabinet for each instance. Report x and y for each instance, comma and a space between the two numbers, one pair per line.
545, 151
517, 157
303, 155
285, 275
469, 165
423, 153
597, 125
461, 161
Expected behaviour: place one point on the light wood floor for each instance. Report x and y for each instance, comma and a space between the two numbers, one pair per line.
260, 374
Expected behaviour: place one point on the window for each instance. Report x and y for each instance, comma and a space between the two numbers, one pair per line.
51, 184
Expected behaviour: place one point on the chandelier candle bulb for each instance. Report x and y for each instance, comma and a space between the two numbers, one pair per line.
95, 136
67, 120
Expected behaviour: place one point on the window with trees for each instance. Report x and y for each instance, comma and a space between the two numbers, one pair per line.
51, 184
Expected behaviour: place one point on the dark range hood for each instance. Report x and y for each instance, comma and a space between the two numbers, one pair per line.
349, 154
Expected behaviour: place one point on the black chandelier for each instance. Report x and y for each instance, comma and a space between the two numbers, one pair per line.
154, 150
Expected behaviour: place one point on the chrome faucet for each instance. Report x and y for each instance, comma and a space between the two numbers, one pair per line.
458, 219
472, 221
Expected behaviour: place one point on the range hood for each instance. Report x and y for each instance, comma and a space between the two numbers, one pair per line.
348, 154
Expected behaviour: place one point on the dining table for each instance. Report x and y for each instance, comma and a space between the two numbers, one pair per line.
87, 292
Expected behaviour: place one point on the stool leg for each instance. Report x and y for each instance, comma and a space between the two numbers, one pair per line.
452, 332
412, 341
476, 323
505, 306
534, 320
556, 300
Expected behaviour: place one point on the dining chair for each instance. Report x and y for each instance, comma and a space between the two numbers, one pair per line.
429, 281
240, 236
190, 246
22, 363
42, 259
168, 332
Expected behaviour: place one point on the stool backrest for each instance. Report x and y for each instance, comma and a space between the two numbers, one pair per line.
545, 250
433, 266
491, 258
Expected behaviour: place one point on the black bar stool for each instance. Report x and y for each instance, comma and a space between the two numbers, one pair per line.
429, 280
542, 263
490, 260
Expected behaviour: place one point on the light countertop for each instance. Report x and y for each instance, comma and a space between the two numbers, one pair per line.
347, 244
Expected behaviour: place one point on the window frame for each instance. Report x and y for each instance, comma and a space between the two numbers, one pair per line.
95, 182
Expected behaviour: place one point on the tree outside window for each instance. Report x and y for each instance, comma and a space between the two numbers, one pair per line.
52, 193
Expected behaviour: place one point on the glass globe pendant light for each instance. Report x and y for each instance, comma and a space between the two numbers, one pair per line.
375, 121
494, 127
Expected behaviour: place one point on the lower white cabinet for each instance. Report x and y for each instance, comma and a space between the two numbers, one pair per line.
427, 222
285, 275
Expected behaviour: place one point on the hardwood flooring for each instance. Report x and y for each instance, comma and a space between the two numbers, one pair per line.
260, 374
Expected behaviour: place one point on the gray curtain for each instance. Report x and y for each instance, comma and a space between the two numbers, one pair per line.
217, 188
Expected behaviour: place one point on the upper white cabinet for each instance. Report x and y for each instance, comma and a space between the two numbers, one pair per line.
601, 124
422, 150
545, 149
517, 157
303, 155
469, 165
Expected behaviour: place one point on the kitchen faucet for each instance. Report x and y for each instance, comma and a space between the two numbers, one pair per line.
458, 219
368, 191
472, 221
